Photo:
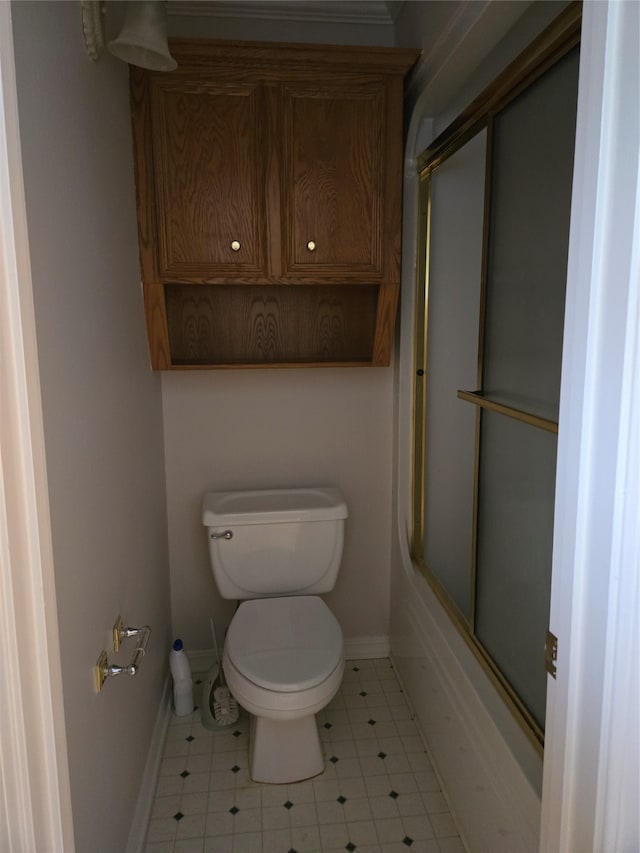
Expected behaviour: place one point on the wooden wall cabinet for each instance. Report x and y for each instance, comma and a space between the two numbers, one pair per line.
269, 184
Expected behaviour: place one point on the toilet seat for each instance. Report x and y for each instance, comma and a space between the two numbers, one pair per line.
286, 645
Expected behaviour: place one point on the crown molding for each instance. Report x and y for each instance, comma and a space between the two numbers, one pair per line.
314, 11
394, 8
462, 20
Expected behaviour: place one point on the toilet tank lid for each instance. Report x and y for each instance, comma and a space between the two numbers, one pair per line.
272, 506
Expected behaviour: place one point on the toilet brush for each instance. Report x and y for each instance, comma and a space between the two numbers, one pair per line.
225, 707
206, 705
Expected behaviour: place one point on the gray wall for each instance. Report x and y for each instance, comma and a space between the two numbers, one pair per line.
102, 406
245, 429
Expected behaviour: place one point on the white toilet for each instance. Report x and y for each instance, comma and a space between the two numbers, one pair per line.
276, 551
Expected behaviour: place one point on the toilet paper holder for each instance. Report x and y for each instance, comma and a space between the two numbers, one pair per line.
103, 669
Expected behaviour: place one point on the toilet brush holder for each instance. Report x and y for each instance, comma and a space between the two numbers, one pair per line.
219, 708
209, 684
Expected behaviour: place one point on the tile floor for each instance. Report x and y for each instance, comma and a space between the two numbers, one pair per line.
378, 793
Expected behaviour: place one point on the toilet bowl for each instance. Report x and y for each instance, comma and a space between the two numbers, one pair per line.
276, 551
283, 662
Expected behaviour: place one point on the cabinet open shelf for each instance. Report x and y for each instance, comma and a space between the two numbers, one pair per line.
240, 325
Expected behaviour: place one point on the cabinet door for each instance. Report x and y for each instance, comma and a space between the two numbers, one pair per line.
332, 180
209, 180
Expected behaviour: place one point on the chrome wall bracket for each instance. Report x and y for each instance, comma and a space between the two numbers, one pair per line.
104, 669
120, 633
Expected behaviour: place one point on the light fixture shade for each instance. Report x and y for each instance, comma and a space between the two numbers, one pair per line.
143, 37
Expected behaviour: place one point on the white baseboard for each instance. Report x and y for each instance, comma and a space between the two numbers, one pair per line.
364, 648
144, 805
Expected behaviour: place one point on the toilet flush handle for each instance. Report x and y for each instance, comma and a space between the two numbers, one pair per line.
228, 534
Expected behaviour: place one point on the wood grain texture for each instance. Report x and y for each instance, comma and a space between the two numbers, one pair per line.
270, 146
385, 325
209, 175
251, 324
146, 202
289, 59
157, 327
392, 209
332, 189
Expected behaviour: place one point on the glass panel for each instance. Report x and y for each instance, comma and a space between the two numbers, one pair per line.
532, 167
455, 261
488, 473
514, 544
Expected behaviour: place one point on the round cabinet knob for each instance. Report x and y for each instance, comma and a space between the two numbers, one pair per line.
311, 246
235, 245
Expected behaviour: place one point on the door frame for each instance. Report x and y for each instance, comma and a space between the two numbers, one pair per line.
34, 784
591, 767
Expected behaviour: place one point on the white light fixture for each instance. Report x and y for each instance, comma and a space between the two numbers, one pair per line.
143, 37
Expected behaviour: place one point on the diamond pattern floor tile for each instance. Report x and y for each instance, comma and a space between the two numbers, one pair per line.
377, 794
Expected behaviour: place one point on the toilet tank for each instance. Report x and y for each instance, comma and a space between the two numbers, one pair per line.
275, 542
